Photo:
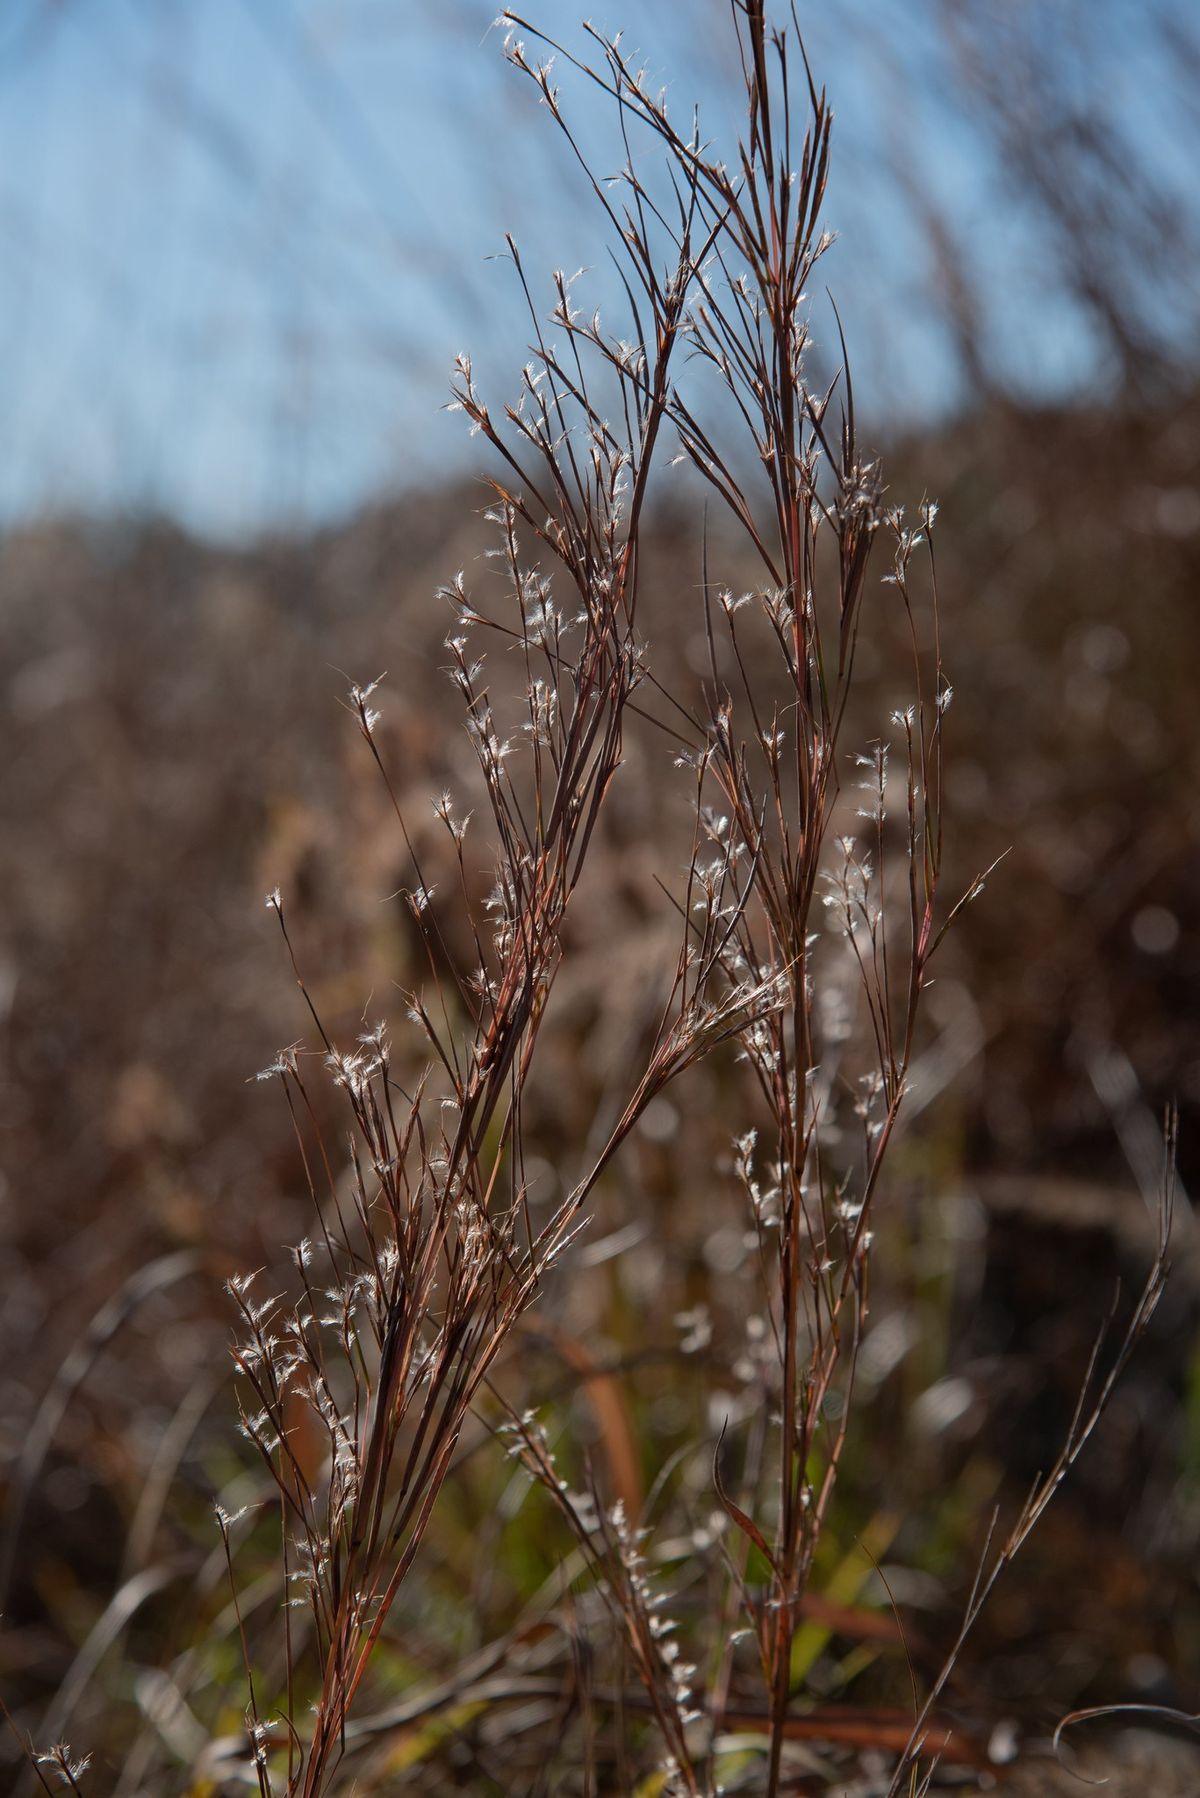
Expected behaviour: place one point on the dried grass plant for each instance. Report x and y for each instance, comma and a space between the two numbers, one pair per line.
809, 918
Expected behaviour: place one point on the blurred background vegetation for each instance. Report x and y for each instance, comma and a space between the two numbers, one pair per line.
240, 246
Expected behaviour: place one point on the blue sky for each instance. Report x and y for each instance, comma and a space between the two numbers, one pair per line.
243, 239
